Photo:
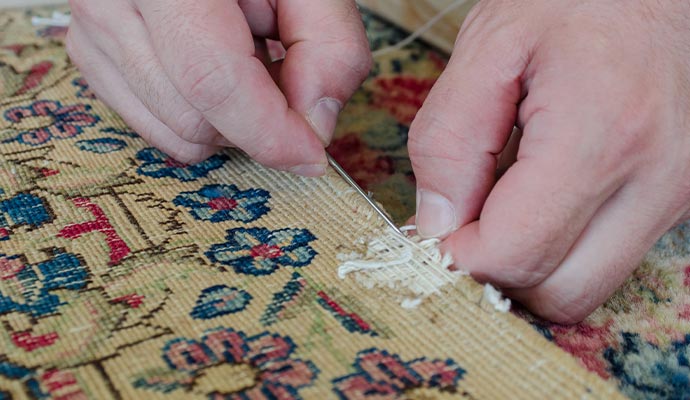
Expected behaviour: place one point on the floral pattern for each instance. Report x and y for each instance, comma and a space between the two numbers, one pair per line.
217, 203
22, 209
62, 121
386, 376
159, 165
259, 251
278, 376
27, 288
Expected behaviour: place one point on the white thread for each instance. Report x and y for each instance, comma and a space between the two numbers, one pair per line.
409, 263
57, 19
411, 303
419, 31
494, 297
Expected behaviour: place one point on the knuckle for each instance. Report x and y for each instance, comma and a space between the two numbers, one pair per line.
522, 256
266, 149
524, 277
432, 135
208, 84
193, 127
560, 305
520, 270
357, 57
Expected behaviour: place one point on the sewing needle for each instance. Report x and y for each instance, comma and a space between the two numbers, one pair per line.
359, 190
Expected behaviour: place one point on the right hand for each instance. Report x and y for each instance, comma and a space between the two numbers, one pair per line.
187, 76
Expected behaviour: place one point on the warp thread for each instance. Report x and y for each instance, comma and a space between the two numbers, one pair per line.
405, 263
494, 297
412, 266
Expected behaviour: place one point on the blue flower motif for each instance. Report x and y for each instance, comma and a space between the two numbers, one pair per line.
158, 165
259, 251
27, 288
22, 209
219, 300
217, 203
646, 371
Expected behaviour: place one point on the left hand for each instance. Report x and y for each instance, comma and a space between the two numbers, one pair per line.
601, 91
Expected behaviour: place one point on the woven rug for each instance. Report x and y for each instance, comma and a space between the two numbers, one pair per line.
125, 274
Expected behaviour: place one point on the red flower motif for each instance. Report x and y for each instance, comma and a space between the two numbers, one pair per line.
266, 251
402, 96
366, 166
29, 342
10, 267
279, 376
62, 384
382, 375
222, 203
585, 342
65, 121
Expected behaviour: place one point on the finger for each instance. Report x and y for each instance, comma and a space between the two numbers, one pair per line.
261, 16
106, 81
606, 253
134, 57
327, 58
207, 52
463, 125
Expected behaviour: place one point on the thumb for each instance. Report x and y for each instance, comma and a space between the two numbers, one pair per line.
463, 126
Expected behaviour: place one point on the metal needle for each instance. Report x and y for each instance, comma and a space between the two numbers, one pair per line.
359, 190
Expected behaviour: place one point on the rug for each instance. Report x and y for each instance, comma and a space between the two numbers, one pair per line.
126, 274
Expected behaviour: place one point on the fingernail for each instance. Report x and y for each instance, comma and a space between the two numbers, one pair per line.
435, 215
323, 117
309, 170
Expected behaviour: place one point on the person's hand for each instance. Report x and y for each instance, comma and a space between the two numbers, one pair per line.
601, 91
188, 77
